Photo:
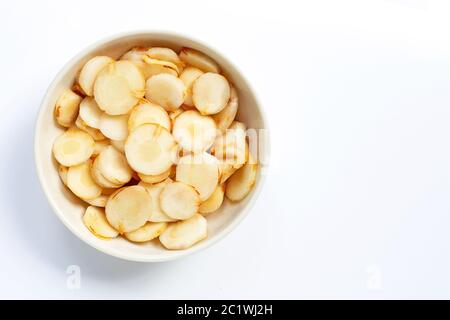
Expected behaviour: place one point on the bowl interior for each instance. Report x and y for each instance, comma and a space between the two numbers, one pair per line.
70, 209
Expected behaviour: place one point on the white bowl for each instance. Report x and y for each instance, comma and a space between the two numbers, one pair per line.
70, 209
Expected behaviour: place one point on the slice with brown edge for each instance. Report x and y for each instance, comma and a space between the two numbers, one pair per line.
95, 220
62, 172
214, 201
184, 234
165, 64
66, 108
128, 209
165, 54
94, 133
90, 112
210, 93
242, 181
188, 76
226, 117
114, 127
199, 60
226, 169
118, 87
90, 71
100, 179
147, 232
179, 201
200, 171
150, 149
73, 147
166, 90
148, 112
194, 132
113, 166
154, 190
155, 178
80, 182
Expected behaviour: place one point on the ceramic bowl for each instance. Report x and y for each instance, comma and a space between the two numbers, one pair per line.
69, 209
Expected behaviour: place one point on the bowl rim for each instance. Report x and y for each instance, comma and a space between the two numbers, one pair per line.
208, 242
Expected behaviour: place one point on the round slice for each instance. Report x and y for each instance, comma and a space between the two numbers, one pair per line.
128, 209
188, 76
119, 87
242, 181
80, 182
148, 113
113, 166
154, 178
165, 54
95, 220
179, 201
199, 60
147, 232
62, 171
214, 201
73, 147
200, 171
90, 112
90, 71
165, 90
114, 127
225, 117
94, 133
100, 179
210, 93
194, 132
150, 149
154, 190
184, 234
66, 108
100, 201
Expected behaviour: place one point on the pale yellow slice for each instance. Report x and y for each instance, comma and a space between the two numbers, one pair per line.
150, 149
73, 147
81, 183
66, 108
184, 234
128, 209
95, 220
118, 87
147, 232
179, 201
200, 171
210, 93
199, 60
148, 112
214, 201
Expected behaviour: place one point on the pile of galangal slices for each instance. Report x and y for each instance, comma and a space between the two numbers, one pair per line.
152, 145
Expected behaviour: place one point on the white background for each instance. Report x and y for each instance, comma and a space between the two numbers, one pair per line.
357, 203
